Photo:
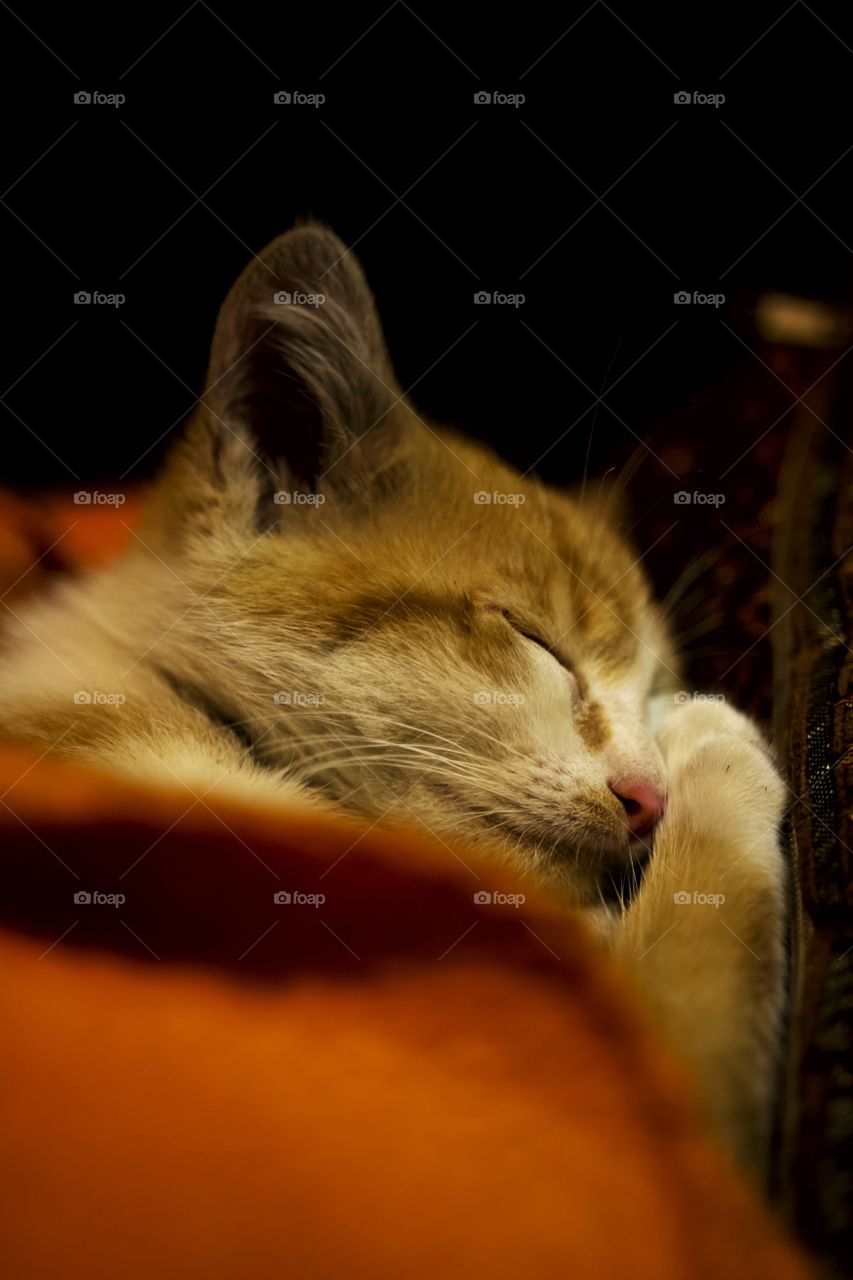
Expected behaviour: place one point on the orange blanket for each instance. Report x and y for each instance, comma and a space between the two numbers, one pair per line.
380, 1077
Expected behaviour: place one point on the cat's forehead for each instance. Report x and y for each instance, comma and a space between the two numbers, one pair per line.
562, 610
567, 577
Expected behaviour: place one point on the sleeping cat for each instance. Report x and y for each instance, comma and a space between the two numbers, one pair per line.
333, 602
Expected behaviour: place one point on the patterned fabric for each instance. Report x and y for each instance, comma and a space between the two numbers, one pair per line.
814, 667
783, 531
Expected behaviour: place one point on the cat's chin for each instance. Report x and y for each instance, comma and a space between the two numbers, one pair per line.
589, 871
597, 853
600, 887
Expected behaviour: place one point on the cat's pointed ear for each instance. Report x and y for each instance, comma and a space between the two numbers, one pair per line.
299, 365
300, 391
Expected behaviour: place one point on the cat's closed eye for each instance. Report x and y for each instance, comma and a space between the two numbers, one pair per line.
529, 632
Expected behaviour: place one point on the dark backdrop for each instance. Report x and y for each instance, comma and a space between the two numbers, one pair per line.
597, 199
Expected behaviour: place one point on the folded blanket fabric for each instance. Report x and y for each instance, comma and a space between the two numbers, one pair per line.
240, 1040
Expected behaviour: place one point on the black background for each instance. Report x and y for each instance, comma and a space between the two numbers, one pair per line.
697, 197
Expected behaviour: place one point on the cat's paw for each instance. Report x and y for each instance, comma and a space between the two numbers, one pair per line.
722, 779
698, 720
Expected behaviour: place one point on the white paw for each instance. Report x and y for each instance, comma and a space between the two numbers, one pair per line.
721, 776
691, 723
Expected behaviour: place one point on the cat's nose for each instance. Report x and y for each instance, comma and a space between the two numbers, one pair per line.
643, 804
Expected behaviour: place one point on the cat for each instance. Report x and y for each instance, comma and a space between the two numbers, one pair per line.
331, 602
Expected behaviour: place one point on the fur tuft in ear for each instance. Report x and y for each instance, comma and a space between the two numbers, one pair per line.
300, 393
299, 365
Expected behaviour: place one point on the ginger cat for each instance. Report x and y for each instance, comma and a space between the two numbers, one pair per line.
333, 602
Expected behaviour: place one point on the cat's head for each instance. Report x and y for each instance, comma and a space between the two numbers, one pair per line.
396, 617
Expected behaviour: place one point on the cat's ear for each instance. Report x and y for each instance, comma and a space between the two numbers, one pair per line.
299, 365
300, 391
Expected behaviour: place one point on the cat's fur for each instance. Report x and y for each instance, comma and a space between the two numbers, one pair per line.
403, 649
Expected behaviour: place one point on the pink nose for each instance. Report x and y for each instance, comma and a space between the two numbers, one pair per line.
642, 803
